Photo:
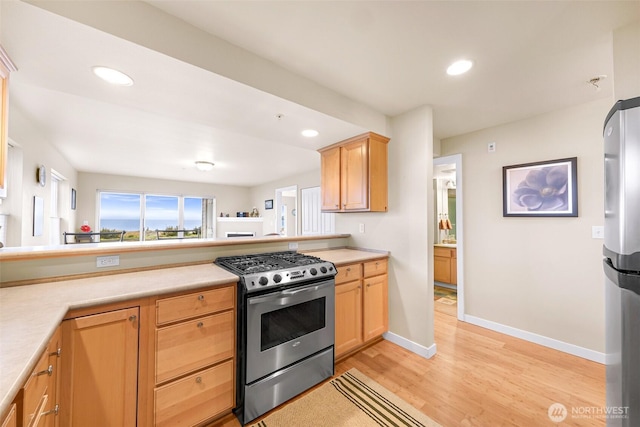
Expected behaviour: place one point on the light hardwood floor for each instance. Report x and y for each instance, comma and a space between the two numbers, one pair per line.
483, 378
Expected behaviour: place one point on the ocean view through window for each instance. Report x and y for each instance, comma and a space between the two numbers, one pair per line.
140, 215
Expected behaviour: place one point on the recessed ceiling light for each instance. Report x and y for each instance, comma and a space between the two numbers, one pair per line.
310, 133
112, 76
204, 166
459, 67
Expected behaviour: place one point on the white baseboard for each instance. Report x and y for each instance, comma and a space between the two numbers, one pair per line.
575, 350
420, 350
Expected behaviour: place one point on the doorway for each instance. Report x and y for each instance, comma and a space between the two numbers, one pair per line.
286, 209
448, 241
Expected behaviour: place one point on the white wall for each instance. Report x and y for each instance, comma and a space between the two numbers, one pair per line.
34, 150
229, 199
406, 229
626, 61
539, 275
268, 191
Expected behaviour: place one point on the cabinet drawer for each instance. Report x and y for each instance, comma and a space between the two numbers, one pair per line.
347, 273
444, 252
11, 420
196, 304
194, 344
375, 268
196, 398
35, 389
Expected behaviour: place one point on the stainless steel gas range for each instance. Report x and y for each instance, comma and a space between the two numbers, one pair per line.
285, 327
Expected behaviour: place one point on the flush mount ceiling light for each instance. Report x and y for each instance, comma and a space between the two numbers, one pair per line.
112, 76
204, 166
459, 67
310, 133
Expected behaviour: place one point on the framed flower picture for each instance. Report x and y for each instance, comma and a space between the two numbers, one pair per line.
548, 188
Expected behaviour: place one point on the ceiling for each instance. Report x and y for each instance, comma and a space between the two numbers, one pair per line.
530, 57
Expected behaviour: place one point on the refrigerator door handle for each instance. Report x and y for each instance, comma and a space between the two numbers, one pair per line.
622, 279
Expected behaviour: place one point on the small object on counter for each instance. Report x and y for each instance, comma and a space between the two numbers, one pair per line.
254, 212
85, 228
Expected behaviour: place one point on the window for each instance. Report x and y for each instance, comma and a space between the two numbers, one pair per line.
145, 216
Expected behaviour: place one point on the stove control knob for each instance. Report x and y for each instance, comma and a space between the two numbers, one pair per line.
313, 271
323, 269
277, 278
263, 281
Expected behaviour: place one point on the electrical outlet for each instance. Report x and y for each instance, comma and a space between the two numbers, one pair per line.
597, 232
361, 227
293, 246
107, 261
491, 147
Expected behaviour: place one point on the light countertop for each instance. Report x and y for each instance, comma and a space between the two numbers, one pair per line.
348, 255
29, 315
446, 245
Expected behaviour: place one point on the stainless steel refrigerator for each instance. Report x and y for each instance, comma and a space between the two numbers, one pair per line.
622, 262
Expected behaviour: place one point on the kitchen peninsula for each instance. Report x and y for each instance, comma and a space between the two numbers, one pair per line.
35, 303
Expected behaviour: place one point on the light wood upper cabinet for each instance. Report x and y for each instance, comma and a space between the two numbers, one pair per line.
100, 369
330, 179
354, 174
6, 67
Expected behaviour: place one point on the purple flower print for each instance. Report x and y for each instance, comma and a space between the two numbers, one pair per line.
543, 189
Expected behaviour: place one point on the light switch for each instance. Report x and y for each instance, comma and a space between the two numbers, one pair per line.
597, 232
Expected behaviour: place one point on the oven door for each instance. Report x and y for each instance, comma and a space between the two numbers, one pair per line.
286, 326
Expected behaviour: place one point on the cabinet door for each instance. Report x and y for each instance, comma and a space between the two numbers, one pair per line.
442, 269
376, 312
454, 267
348, 317
54, 350
330, 179
11, 420
354, 175
99, 369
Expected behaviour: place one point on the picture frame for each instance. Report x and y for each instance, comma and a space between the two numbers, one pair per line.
73, 199
268, 204
541, 189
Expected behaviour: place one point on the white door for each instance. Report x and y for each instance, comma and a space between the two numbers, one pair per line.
314, 221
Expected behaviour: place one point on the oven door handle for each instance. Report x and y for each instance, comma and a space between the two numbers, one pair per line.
288, 293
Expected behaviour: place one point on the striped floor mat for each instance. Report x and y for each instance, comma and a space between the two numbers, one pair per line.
350, 400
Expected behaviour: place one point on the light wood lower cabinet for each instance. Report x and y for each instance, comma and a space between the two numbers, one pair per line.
100, 369
194, 399
39, 403
445, 266
348, 316
11, 419
195, 340
361, 304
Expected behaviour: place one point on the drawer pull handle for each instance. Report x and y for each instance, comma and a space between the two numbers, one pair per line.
56, 353
48, 371
200, 297
53, 411
133, 318
200, 325
348, 268
198, 380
